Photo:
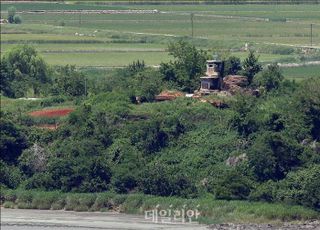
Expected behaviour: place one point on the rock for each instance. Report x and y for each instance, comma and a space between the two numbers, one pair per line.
235, 160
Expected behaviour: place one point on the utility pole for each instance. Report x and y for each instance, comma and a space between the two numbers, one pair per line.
191, 17
311, 34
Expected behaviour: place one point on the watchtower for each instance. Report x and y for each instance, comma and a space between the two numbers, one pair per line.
213, 79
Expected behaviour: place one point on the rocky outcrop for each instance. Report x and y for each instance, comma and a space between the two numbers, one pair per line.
235, 160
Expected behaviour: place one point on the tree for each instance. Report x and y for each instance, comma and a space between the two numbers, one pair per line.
187, 67
12, 141
273, 155
136, 66
17, 19
251, 66
232, 65
146, 84
68, 81
270, 78
11, 13
308, 98
34, 159
24, 69
302, 187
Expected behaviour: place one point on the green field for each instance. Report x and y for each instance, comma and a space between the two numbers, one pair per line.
117, 39
299, 73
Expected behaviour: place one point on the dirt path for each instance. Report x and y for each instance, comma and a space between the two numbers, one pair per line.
22, 219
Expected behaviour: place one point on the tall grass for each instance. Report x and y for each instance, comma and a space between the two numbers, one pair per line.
211, 210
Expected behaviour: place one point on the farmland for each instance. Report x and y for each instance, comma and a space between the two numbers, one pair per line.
114, 40
115, 107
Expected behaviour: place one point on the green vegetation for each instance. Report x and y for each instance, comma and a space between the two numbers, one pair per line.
276, 32
254, 160
211, 211
113, 143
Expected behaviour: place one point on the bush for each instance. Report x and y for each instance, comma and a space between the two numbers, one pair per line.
24, 205
8, 204
273, 155
17, 19
231, 184
119, 199
301, 187
10, 195
71, 202
133, 203
270, 78
59, 203
103, 200
264, 192
87, 200
44, 200
50, 101
24, 196
11, 176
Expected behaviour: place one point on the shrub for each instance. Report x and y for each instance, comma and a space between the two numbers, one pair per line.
47, 102
270, 78
119, 199
301, 187
8, 204
59, 204
71, 202
44, 200
17, 19
273, 155
133, 203
10, 195
24, 205
24, 197
264, 192
231, 184
103, 200
87, 200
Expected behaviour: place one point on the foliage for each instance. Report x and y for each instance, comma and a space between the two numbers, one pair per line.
273, 155
17, 19
270, 78
309, 103
188, 65
232, 65
11, 13
211, 210
69, 82
182, 148
24, 69
136, 66
301, 187
146, 85
13, 141
10, 176
251, 66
